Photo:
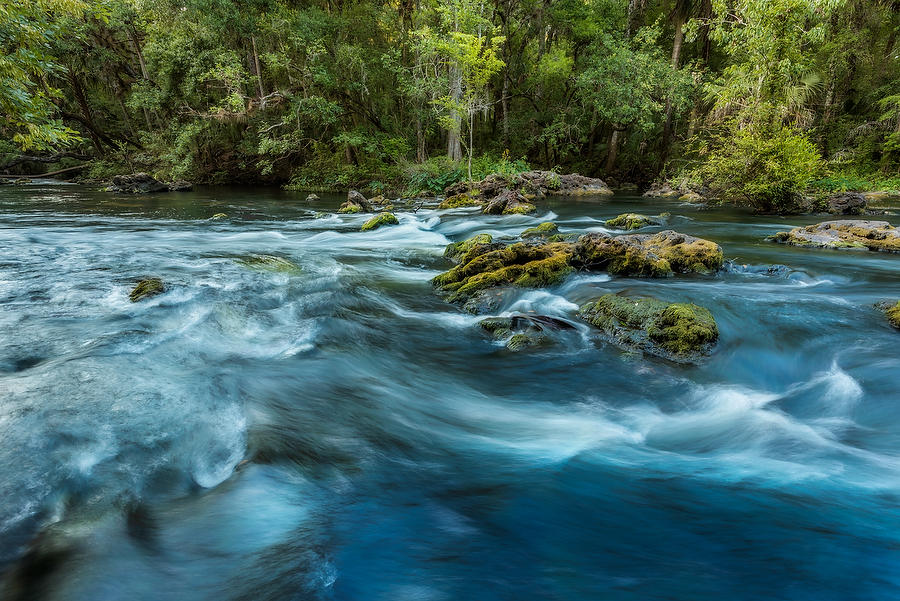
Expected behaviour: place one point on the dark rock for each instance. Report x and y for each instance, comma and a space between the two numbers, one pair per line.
147, 288
181, 186
356, 203
847, 203
508, 202
136, 183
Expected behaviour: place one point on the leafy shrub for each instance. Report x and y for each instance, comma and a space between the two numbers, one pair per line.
768, 169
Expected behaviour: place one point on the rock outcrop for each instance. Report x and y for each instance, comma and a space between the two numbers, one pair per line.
508, 202
355, 203
846, 203
680, 332
531, 184
853, 234
649, 255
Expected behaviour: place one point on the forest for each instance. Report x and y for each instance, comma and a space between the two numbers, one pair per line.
751, 101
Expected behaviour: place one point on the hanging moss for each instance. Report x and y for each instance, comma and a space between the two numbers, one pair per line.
147, 288
379, 220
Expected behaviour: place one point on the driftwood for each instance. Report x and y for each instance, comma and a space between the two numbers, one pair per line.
40, 175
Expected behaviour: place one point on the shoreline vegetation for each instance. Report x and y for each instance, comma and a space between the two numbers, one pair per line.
773, 104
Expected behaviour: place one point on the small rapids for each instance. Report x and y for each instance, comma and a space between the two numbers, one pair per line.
339, 431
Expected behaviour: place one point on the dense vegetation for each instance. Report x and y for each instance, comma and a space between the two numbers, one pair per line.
754, 99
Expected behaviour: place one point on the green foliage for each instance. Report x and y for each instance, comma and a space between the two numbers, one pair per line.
765, 169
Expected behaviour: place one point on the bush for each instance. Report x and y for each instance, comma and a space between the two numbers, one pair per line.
765, 168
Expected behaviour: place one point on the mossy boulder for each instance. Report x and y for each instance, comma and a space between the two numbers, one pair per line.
269, 263
379, 220
146, 288
680, 332
648, 255
544, 230
456, 201
508, 202
521, 264
852, 234
893, 314
355, 203
479, 244
218, 216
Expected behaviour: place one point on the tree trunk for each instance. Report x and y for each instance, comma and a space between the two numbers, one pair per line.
259, 80
132, 33
420, 142
454, 149
613, 150
676, 61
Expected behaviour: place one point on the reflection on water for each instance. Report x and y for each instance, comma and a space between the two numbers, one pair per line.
339, 432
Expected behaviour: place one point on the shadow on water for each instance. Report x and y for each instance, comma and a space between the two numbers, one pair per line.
338, 431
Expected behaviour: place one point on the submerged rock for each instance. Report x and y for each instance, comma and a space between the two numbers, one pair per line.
146, 288
379, 220
508, 202
520, 264
543, 230
269, 263
355, 203
218, 216
846, 203
523, 331
459, 200
680, 332
849, 234
653, 255
635, 221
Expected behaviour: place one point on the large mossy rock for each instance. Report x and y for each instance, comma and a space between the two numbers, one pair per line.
379, 220
146, 288
893, 314
849, 234
648, 255
355, 203
508, 202
459, 200
635, 221
542, 230
680, 332
521, 264
477, 244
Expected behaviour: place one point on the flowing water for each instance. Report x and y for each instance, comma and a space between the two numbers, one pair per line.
340, 432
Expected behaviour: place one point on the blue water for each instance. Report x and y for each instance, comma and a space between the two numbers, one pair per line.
343, 433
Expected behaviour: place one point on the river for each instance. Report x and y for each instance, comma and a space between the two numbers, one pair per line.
342, 432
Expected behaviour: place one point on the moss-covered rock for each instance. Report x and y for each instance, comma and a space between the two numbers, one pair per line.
680, 332
648, 255
355, 203
456, 201
269, 263
146, 288
519, 332
379, 220
457, 251
520, 264
350, 208
218, 216
508, 202
543, 230
893, 314
853, 234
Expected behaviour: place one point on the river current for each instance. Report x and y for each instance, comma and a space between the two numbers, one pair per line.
342, 432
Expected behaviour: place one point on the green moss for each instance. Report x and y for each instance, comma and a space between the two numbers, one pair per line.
269, 263
646, 255
379, 220
893, 315
457, 250
519, 342
519, 264
629, 221
846, 234
458, 200
146, 288
220, 216
678, 331
545, 229
521, 208
350, 208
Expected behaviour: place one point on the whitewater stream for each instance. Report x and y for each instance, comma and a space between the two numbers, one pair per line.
342, 432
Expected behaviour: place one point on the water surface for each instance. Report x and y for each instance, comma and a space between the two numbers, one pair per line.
343, 433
